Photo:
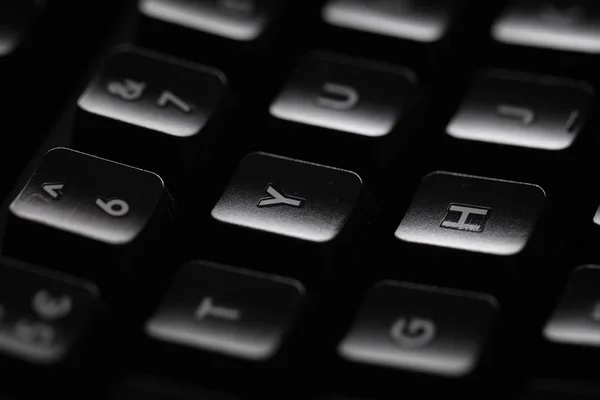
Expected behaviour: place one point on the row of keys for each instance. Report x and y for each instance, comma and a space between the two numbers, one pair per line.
90, 200
535, 23
139, 96
248, 315
227, 313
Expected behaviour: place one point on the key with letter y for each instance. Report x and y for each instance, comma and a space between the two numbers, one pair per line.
274, 202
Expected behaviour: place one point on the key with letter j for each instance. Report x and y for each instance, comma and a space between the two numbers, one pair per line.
100, 216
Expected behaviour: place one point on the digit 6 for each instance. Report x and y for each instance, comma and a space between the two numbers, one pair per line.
114, 207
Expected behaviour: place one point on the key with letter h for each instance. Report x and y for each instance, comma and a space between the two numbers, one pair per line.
473, 221
469, 218
87, 215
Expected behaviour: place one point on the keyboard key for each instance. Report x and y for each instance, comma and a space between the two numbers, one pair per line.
42, 322
472, 213
402, 19
274, 202
141, 104
16, 20
240, 20
229, 323
553, 24
238, 32
229, 311
76, 204
47, 325
576, 319
420, 329
571, 331
345, 94
523, 110
288, 197
361, 103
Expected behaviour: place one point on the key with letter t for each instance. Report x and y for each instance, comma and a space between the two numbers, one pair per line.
214, 311
86, 215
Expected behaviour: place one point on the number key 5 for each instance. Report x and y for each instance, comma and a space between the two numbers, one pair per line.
88, 206
46, 322
141, 104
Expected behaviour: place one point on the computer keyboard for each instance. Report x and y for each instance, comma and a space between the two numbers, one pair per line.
327, 199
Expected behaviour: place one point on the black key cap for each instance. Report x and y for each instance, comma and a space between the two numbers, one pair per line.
372, 28
418, 329
558, 25
151, 111
572, 331
223, 311
241, 20
576, 316
87, 215
523, 110
484, 228
279, 203
403, 19
362, 105
472, 213
44, 319
16, 21
238, 29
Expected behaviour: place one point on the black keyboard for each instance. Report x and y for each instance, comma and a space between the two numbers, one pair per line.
328, 200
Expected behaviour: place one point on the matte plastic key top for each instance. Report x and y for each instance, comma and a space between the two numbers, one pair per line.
558, 25
141, 104
274, 203
16, 19
42, 321
228, 324
419, 333
240, 20
85, 213
47, 323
